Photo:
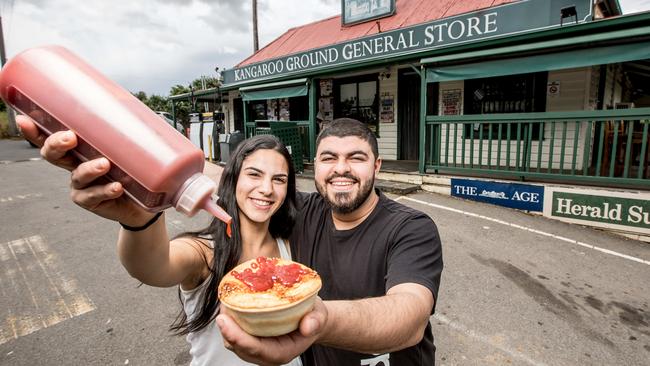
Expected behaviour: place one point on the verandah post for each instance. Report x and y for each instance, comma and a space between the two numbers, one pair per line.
423, 118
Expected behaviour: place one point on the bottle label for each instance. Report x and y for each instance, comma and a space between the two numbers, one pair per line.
84, 150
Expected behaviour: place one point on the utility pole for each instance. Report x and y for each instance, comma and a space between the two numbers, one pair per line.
12, 129
256, 43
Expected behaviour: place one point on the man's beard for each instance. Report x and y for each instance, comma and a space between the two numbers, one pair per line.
343, 203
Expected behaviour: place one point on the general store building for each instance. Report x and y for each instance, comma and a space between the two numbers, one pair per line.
550, 92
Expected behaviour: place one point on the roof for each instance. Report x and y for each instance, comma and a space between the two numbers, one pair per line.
330, 31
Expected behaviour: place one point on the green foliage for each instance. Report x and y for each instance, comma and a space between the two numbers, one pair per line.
4, 124
210, 82
142, 96
158, 103
3, 106
182, 108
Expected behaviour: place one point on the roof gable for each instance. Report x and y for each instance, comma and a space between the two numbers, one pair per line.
329, 31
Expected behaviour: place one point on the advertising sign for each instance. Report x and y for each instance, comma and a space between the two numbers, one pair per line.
520, 196
358, 11
500, 21
607, 209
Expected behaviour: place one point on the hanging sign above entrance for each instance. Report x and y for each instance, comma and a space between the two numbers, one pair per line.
359, 11
500, 21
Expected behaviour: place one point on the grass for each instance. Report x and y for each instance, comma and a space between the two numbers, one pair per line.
4, 130
4, 127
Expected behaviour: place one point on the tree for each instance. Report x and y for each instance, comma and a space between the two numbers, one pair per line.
158, 103
210, 82
181, 108
142, 96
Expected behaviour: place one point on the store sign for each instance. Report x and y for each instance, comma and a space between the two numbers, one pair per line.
358, 11
505, 20
608, 209
520, 196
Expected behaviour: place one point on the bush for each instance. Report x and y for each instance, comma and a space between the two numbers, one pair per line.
4, 129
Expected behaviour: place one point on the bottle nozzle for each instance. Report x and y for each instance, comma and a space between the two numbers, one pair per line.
219, 213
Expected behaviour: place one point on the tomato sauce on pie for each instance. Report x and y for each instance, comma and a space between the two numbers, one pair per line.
268, 273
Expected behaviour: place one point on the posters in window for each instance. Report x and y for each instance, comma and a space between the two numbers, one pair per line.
325, 109
326, 87
386, 114
272, 107
451, 102
284, 110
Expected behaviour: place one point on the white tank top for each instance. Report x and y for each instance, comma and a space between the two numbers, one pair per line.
206, 345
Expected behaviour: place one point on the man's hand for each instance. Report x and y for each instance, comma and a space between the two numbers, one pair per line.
101, 198
273, 350
53, 148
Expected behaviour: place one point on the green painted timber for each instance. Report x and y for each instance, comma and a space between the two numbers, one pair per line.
313, 102
423, 114
619, 149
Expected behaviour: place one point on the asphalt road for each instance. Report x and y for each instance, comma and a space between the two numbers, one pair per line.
517, 289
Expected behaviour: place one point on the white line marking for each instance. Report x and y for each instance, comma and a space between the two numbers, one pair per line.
19, 244
49, 278
20, 197
543, 233
30, 271
4, 162
485, 339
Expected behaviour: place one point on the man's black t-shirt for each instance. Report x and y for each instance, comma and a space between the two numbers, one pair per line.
395, 244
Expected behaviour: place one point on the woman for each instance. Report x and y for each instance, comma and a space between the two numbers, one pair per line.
257, 189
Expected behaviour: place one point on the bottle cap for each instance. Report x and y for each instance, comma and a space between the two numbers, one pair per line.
196, 195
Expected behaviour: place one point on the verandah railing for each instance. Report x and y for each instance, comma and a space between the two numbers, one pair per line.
303, 128
609, 146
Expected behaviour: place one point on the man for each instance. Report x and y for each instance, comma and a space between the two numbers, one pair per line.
380, 262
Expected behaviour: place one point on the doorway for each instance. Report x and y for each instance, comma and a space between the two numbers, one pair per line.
408, 114
238, 114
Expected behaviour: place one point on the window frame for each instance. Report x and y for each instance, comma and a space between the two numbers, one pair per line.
373, 107
501, 88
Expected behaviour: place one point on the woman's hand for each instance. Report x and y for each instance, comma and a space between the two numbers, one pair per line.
103, 199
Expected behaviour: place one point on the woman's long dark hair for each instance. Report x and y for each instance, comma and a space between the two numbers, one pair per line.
227, 251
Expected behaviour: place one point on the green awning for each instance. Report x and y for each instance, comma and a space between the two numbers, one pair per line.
544, 62
281, 89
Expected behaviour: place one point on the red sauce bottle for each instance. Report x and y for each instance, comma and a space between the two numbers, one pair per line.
157, 166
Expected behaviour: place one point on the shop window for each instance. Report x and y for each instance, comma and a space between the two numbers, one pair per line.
358, 98
280, 109
299, 108
523, 93
257, 110
433, 91
238, 113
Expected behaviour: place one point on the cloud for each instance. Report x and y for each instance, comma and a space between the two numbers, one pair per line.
634, 6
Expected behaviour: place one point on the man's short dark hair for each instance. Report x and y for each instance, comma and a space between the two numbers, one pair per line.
344, 127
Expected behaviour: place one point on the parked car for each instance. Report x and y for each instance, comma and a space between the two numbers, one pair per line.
170, 119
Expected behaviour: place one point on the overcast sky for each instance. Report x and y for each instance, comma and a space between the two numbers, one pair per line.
151, 45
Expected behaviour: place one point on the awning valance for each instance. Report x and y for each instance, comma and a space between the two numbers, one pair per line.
540, 62
552, 61
281, 89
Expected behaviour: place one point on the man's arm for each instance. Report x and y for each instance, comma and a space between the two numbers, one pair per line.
147, 255
381, 324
